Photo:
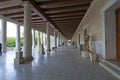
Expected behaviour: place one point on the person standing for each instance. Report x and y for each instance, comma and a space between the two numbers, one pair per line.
0, 49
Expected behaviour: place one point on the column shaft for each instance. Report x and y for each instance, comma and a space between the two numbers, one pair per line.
4, 36
42, 41
59, 39
55, 36
17, 37
38, 41
33, 38
27, 32
48, 36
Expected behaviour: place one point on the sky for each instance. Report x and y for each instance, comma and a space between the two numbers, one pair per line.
11, 29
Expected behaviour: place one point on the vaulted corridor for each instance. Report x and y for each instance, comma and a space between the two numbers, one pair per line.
64, 63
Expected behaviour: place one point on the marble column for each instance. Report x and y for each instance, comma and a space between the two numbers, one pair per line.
27, 32
4, 36
17, 37
33, 38
55, 37
58, 38
38, 41
19, 53
42, 41
48, 36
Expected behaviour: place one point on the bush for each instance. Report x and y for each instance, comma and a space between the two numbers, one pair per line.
35, 41
21, 41
11, 42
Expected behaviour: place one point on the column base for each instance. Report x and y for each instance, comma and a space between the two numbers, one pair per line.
54, 48
93, 57
42, 49
48, 50
85, 54
28, 58
19, 58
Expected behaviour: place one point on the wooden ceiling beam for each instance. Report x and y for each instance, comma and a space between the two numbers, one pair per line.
68, 7
10, 3
18, 15
11, 7
80, 11
67, 10
70, 17
62, 3
42, 21
14, 14
67, 19
21, 17
67, 22
33, 21
11, 11
69, 14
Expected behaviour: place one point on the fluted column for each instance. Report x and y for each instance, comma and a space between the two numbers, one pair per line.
4, 36
48, 36
27, 32
17, 37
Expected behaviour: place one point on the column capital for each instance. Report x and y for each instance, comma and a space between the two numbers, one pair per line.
26, 3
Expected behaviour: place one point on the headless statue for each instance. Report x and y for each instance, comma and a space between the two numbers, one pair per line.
86, 42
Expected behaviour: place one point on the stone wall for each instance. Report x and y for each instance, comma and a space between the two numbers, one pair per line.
94, 22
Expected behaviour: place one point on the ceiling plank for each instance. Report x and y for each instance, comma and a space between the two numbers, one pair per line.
11, 11
67, 19
70, 18
10, 3
18, 15
63, 3
22, 17
68, 7
66, 10
80, 11
65, 15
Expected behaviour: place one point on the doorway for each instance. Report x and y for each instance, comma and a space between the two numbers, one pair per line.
118, 33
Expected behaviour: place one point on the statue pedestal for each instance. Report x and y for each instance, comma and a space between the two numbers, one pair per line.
19, 58
42, 49
85, 54
93, 57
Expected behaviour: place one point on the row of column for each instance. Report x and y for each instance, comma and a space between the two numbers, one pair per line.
27, 47
27, 37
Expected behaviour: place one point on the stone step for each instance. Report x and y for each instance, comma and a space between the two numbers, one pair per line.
113, 69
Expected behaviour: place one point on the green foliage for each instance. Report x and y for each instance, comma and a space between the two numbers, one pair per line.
21, 41
11, 42
35, 41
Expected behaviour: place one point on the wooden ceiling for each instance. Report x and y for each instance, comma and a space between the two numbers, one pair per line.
64, 15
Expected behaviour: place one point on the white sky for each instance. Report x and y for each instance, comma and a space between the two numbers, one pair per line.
11, 29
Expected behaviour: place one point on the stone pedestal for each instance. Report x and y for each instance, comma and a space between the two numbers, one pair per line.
85, 54
19, 58
93, 57
42, 49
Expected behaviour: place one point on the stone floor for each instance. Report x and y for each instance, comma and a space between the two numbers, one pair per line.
64, 63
